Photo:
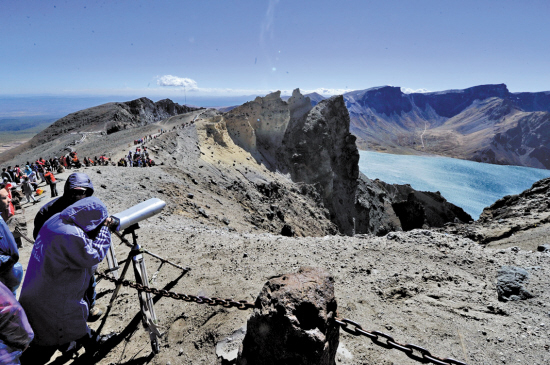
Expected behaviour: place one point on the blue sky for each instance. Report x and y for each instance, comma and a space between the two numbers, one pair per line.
159, 48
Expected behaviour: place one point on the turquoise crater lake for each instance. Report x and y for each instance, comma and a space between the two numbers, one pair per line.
470, 185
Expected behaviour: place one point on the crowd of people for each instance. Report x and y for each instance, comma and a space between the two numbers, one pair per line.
72, 236
57, 298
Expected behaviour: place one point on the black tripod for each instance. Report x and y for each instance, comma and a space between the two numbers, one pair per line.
135, 256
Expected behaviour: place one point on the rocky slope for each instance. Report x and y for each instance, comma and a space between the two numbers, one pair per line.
106, 118
521, 220
483, 123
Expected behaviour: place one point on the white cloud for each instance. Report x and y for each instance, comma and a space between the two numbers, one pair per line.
169, 80
325, 91
407, 90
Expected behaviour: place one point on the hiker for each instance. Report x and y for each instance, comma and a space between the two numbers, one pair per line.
28, 190
15, 331
12, 173
27, 170
50, 180
32, 180
17, 174
78, 186
5, 175
11, 272
39, 170
68, 247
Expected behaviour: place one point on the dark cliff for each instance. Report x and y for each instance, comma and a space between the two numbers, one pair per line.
318, 149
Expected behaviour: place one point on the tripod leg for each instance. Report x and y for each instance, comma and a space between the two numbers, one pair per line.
149, 317
112, 261
124, 270
115, 293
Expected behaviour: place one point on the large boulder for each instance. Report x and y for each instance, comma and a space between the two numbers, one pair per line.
293, 322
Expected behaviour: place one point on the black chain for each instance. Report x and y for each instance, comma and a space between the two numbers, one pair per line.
200, 299
413, 351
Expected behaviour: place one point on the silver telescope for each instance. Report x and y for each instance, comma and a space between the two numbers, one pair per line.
136, 213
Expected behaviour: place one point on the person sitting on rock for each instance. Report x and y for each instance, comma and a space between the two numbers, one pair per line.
5, 175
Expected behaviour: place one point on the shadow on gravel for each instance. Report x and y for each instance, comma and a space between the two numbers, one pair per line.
125, 335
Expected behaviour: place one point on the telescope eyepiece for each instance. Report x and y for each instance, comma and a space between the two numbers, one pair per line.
115, 222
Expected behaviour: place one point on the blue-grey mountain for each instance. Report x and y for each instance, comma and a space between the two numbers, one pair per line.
484, 123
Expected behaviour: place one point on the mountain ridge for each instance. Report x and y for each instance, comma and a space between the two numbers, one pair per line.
485, 123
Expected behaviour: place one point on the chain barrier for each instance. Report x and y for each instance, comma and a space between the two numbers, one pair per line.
412, 351
227, 303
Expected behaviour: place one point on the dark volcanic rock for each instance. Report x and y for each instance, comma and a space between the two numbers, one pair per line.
374, 212
318, 149
293, 322
510, 284
417, 208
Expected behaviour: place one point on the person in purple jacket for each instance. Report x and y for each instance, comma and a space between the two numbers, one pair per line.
11, 271
69, 245
15, 331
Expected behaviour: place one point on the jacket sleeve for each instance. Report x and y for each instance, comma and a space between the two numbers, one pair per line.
9, 254
6, 263
84, 252
15, 330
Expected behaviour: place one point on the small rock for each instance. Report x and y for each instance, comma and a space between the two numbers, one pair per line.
190, 196
287, 231
203, 213
104, 186
245, 255
544, 248
98, 171
194, 181
510, 283
225, 220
